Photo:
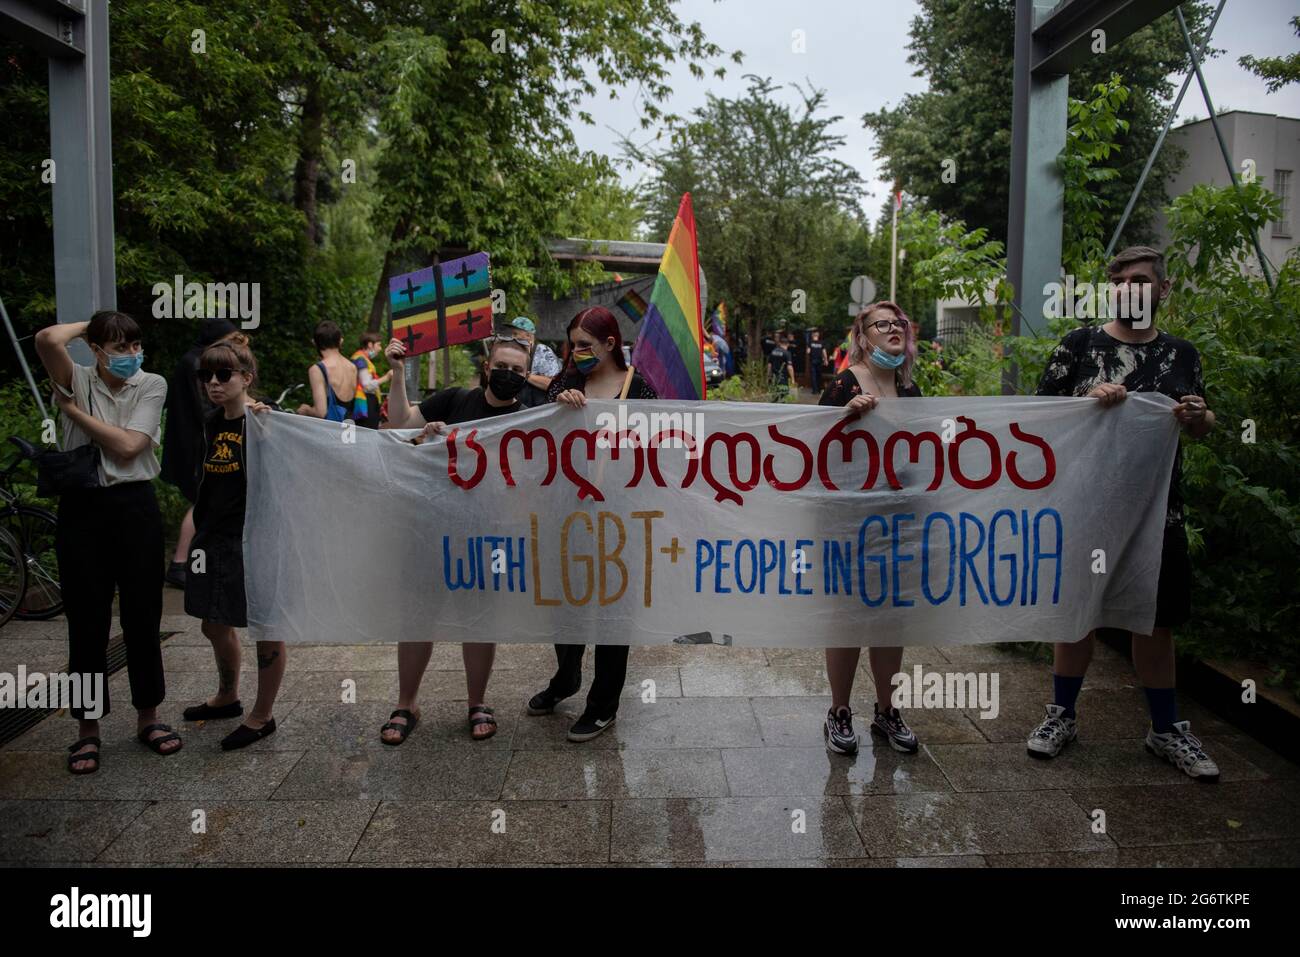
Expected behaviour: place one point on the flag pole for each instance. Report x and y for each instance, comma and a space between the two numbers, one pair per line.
893, 246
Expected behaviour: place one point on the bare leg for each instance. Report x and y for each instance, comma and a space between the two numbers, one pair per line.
885, 663
1153, 658
184, 537
412, 659
1072, 660
478, 658
841, 668
271, 657
225, 648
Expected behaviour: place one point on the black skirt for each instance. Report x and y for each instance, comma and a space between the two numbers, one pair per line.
216, 594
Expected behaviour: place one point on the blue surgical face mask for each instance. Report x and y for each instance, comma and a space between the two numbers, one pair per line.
883, 359
125, 366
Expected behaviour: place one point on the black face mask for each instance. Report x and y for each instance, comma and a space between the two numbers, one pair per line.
505, 383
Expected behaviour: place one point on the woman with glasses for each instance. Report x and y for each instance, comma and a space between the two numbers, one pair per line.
507, 368
214, 584
882, 350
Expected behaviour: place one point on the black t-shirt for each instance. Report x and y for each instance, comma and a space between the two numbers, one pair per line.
778, 359
845, 386
639, 389
817, 353
1089, 357
461, 405
223, 485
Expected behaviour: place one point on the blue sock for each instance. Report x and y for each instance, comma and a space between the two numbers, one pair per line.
1164, 709
1066, 692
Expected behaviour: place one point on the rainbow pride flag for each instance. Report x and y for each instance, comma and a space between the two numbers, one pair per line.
669, 352
632, 305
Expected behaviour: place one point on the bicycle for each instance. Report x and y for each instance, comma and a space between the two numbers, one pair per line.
33, 528
13, 576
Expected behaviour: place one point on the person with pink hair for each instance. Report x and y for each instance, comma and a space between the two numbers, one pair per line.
882, 350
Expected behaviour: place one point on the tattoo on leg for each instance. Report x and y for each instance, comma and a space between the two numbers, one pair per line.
228, 678
265, 661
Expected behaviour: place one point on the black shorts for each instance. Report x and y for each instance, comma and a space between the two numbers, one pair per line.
1174, 593
217, 594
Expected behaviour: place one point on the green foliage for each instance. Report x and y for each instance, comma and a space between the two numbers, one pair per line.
1090, 141
965, 50
1277, 70
769, 201
752, 384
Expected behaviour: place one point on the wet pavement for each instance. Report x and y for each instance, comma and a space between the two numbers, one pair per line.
723, 764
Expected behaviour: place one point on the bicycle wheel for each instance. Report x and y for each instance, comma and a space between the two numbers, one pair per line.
13, 576
34, 528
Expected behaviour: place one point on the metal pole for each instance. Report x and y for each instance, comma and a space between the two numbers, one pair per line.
1160, 140
893, 246
1218, 133
22, 360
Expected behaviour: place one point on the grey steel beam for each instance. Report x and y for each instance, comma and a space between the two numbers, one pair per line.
1063, 37
55, 28
1037, 198
81, 146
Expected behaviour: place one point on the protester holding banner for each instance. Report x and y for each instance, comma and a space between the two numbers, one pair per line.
596, 369
1107, 362
110, 533
182, 457
882, 350
214, 587
330, 378
507, 370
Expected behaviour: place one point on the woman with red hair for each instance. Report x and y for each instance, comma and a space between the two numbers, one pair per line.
882, 349
595, 369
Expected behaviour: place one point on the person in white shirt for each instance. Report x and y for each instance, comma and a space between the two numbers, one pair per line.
110, 537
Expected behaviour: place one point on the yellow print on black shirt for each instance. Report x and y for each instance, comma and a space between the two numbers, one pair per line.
221, 457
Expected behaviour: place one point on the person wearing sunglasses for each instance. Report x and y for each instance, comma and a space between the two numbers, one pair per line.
110, 536
214, 586
882, 350
507, 368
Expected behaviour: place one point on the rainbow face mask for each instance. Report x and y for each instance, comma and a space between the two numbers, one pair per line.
585, 360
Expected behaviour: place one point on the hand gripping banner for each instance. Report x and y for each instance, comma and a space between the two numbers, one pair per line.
925, 522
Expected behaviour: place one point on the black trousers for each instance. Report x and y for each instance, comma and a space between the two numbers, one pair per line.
111, 539
611, 672
816, 373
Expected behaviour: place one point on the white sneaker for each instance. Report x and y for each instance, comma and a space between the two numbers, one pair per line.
1050, 738
1183, 750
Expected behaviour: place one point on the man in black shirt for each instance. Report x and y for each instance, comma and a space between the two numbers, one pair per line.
1107, 362
778, 361
816, 361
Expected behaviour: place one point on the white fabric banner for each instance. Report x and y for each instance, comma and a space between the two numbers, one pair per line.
925, 522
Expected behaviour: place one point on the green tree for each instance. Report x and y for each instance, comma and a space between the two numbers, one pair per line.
1277, 70
966, 53
768, 196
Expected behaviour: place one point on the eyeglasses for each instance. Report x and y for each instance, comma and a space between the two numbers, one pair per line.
884, 325
523, 342
223, 375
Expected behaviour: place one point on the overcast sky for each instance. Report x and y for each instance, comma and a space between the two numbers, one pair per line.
857, 51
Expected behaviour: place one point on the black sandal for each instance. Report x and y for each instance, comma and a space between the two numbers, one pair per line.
243, 736
155, 744
403, 729
75, 758
474, 722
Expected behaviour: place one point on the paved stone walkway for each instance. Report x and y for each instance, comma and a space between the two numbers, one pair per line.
720, 769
